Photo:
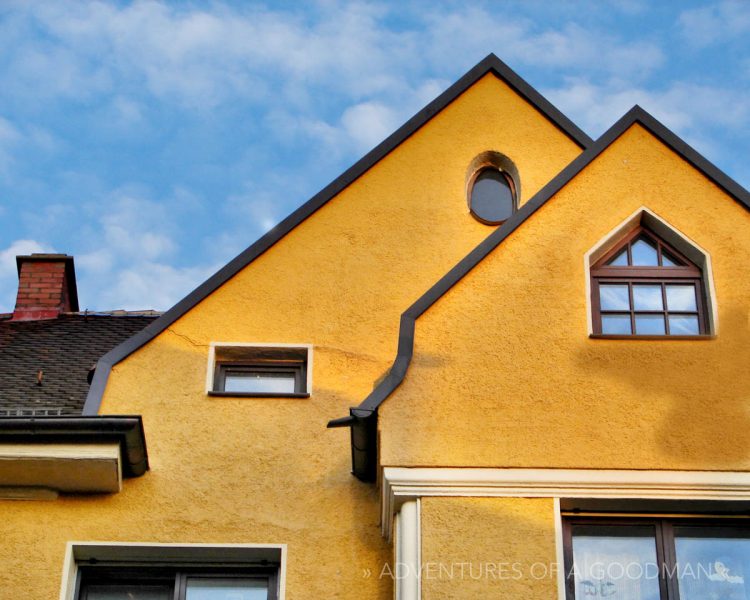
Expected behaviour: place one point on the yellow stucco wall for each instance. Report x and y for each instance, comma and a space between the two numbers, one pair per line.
266, 470
501, 548
505, 375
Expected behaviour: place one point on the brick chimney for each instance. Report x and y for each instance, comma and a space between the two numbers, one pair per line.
46, 287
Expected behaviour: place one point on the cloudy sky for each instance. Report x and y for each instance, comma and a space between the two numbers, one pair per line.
155, 140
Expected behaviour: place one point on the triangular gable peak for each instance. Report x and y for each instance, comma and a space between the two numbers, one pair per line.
490, 65
363, 418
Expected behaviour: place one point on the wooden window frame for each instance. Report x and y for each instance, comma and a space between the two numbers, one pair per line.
688, 274
664, 538
174, 577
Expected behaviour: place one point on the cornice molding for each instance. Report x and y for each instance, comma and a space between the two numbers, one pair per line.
401, 484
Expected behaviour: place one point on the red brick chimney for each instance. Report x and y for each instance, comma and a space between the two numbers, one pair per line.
46, 287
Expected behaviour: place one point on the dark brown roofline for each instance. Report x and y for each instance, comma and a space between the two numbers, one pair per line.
491, 64
363, 418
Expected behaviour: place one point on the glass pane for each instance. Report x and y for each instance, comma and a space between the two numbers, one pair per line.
668, 260
129, 592
712, 567
683, 325
616, 324
492, 197
615, 566
647, 297
259, 382
621, 260
681, 297
614, 297
649, 325
644, 254
226, 589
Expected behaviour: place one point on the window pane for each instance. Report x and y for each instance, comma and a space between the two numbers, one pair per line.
492, 197
649, 325
683, 325
614, 297
259, 382
616, 324
226, 589
647, 297
712, 567
128, 592
621, 260
681, 297
668, 260
644, 254
616, 566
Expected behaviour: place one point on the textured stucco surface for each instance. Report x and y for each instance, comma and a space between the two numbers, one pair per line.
494, 548
266, 470
505, 375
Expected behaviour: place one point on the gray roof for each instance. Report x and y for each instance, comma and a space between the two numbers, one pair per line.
64, 350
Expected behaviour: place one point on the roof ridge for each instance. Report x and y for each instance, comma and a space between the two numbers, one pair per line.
489, 64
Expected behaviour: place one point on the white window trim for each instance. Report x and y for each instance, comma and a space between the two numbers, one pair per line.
402, 484
407, 570
212, 347
129, 551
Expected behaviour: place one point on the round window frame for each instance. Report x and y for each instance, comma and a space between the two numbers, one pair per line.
494, 161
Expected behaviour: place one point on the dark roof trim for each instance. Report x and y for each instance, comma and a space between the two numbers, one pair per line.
127, 430
363, 418
491, 64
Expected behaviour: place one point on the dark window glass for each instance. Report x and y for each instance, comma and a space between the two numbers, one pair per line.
492, 198
656, 559
165, 583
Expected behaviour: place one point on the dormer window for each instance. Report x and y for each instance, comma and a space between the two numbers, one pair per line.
644, 287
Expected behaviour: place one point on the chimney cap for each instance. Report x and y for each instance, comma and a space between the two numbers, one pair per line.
70, 271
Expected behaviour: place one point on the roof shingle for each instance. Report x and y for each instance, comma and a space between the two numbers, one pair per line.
64, 350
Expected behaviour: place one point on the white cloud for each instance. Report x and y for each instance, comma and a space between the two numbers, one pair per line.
716, 23
368, 124
150, 285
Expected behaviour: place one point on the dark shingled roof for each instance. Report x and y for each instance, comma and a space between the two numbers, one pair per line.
64, 349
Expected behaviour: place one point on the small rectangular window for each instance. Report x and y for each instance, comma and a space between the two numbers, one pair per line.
259, 371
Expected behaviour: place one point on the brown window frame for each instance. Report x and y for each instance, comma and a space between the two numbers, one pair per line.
167, 576
296, 368
687, 274
511, 185
664, 539
261, 359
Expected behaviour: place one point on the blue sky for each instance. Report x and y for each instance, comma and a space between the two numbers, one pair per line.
156, 140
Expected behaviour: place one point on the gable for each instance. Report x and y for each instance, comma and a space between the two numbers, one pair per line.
400, 211
520, 377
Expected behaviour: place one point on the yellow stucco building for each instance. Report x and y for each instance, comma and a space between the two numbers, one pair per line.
538, 343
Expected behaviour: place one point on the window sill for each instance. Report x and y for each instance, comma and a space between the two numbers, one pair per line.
609, 336
256, 395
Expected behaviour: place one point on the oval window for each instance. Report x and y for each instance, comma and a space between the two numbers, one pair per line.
492, 198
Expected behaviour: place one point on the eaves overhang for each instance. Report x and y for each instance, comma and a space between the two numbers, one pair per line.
70, 454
